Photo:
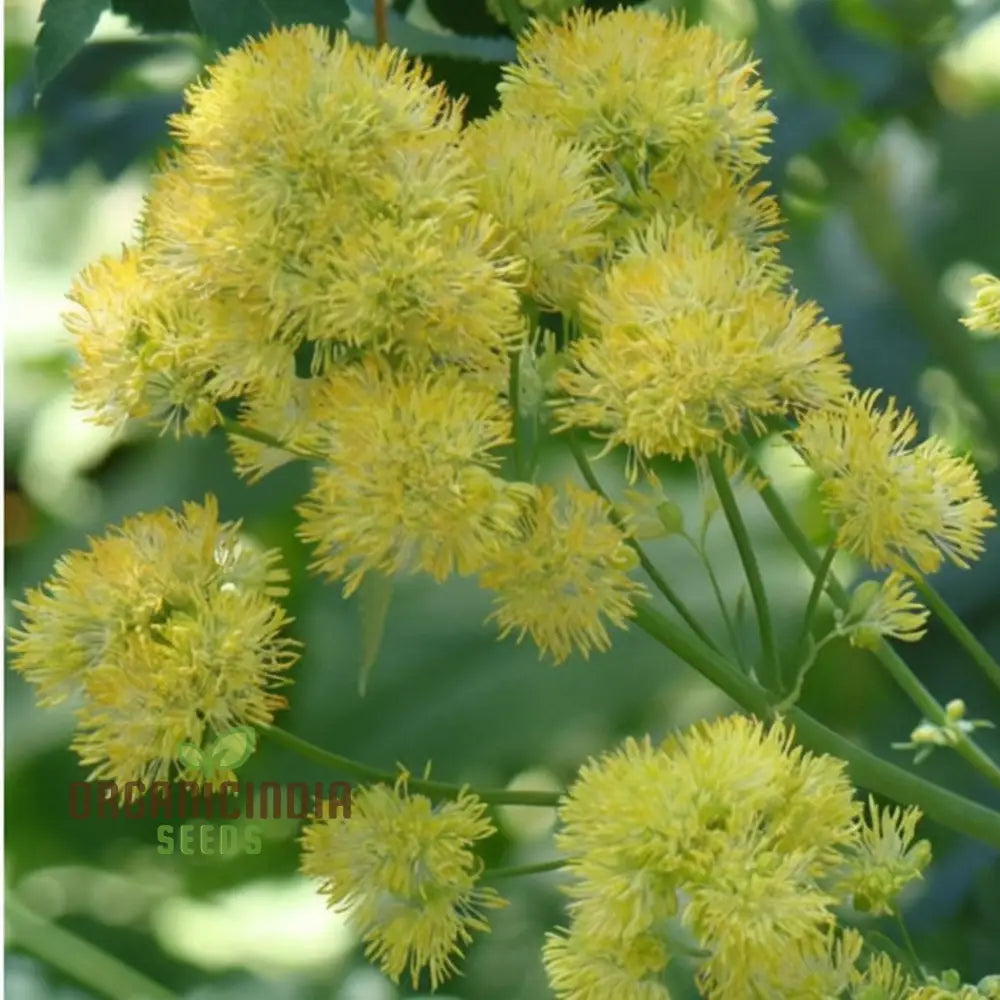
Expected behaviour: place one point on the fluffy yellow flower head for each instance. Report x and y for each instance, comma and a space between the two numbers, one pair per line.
407, 483
985, 312
406, 871
168, 631
893, 503
564, 576
725, 832
141, 347
885, 859
581, 967
884, 609
663, 105
326, 184
543, 192
690, 336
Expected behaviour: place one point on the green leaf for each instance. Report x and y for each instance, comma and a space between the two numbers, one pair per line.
229, 22
234, 747
374, 597
65, 26
191, 756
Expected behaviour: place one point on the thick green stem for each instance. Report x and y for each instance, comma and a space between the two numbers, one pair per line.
898, 668
77, 958
770, 665
976, 650
655, 576
542, 866
440, 789
865, 769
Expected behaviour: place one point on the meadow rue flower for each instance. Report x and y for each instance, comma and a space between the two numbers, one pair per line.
985, 312
167, 630
580, 966
326, 183
892, 502
408, 483
885, 858
405, 871
689, 337
739, 836
543, 193
671, 110
564, 577
884, 609
141, 347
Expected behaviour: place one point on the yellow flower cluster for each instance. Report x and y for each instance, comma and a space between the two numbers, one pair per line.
329, 248
728, 844
621, 166
405, 870
167, 630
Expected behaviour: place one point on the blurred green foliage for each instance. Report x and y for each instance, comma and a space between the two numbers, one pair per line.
907, 90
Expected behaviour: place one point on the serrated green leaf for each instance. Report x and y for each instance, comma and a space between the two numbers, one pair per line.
65, 26
374, 597
234, 747
229, 22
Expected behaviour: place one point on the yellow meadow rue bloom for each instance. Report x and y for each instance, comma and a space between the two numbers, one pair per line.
887, 609
690, 337
141, 347
565, 576
665, 106
543, 193
326, 184
880, 979
423, 289
893, 503
727, 827
405, 871
580, 967
408, 481
167, 629
985, 312
885, 859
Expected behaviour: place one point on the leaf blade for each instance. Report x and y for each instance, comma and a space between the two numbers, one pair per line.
65, 27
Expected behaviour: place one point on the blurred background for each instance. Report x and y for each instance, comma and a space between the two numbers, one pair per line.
887, 159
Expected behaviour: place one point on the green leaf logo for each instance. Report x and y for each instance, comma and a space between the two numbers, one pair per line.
226, 753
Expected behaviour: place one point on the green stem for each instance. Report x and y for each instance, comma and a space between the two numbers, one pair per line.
976, 650
897, 667
819, 585
262, 437
541, 866
657, 578
865, 769
713, 580
771, 666
86, 963
441, 789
